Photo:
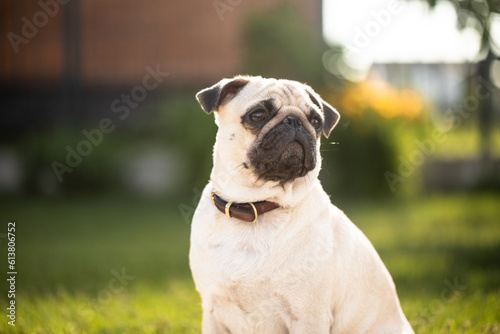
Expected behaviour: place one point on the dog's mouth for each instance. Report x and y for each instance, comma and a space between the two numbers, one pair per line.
283, 155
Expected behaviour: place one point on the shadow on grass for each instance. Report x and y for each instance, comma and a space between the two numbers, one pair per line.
476, 267
79, 245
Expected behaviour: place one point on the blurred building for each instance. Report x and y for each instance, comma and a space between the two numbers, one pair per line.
110, 42
66, 62
444, 85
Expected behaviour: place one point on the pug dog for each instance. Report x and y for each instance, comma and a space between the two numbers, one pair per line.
269, 253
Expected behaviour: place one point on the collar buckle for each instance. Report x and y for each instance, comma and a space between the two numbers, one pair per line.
228, 209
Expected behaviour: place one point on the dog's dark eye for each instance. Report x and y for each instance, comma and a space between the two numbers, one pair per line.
316, 123
258, 116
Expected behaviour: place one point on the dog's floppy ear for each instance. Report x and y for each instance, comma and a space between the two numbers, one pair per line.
212, 98
332, 116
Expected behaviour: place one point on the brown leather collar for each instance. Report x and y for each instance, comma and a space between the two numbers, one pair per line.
248, 212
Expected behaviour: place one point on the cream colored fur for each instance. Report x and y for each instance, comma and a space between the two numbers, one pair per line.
302, 268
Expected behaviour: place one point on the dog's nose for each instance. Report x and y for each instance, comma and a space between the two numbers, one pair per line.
293, 121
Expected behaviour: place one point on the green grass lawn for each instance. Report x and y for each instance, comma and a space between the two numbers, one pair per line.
110, 266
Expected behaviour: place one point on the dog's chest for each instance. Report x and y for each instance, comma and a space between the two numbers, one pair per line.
250, 279
258, 307
248, 252
254, 273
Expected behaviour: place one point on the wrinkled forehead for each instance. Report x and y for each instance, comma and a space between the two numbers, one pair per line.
284, 93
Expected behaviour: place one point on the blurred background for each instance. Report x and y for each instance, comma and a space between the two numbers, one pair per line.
396, 71
104, 150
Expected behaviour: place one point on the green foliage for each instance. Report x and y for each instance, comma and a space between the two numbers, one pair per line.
280, 45
175, 124
465, 143
476, 14
356, 156
67, 250
97, 172
187, 127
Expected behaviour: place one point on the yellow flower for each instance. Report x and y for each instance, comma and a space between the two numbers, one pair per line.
381, 98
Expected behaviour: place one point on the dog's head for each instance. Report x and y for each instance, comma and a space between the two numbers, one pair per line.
271, 128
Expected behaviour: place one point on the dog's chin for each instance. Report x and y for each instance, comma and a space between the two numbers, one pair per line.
289, 158
288, 167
